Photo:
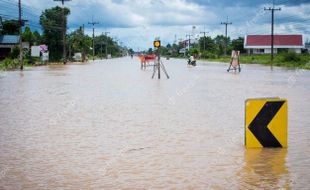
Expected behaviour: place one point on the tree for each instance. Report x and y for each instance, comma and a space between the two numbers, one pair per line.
150, 51
103, 41
10, 27
79, 42
131, 51
27, 35
36, 38
238, 44
220, 41
207, 43
51, 21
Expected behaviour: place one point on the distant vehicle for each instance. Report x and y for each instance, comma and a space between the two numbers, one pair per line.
191, 61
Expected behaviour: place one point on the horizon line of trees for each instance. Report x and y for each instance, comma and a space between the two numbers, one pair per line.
207, 47
51, 21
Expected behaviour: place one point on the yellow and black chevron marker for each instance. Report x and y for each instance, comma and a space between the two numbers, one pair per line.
266, 123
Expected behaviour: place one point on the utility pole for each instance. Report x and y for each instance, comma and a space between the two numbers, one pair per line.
93, 23
83, 52
101, 43
204, 38
226, 40
64, 31
106, 44
1, 24
272, 9
20, 35
175, 39
189, 40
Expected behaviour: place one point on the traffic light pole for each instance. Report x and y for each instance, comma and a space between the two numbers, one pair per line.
158, 57
158, 64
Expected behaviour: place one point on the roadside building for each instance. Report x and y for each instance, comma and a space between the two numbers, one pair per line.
261, 44
7, 43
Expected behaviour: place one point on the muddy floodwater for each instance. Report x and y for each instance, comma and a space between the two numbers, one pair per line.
108, 125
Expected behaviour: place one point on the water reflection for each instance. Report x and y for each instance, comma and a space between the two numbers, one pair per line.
265, 169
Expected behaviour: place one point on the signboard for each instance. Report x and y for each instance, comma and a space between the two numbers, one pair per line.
36, 51
77, 57
266, 123
45, 56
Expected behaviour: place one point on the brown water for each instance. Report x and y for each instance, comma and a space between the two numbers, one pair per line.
108, 125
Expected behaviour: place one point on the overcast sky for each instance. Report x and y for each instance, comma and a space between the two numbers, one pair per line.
136, 23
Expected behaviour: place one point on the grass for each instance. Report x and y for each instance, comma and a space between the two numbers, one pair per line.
281, 60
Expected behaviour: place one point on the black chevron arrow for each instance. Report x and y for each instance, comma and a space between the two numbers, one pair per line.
259, 125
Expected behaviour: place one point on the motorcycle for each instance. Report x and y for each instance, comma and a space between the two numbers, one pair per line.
191, 63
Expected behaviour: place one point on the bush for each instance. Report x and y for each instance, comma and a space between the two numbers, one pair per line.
9, 64
15, 53
208, 55
291, 57
193, 51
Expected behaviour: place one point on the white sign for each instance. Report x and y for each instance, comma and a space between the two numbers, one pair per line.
77, 57
45, 56
35, 51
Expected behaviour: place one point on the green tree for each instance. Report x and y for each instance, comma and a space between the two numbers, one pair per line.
31, 37
10, 27
36, 38
208, 44
102, 41
130, 51
150, 51
79, 43
27, 35
220, 42
238, 44
51, 21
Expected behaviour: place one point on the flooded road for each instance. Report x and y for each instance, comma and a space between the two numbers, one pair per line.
108, 125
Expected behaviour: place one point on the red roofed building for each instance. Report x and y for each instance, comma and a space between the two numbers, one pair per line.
261, 44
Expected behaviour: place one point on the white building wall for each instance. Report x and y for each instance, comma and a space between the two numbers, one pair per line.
297, 51
268, 50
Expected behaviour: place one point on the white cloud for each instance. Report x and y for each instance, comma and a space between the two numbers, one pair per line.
138, 22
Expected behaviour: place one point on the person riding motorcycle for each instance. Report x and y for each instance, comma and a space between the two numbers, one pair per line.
191, 60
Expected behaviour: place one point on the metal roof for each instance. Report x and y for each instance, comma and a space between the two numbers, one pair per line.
9, 39
279, 40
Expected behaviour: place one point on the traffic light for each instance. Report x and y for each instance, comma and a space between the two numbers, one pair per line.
157, 43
